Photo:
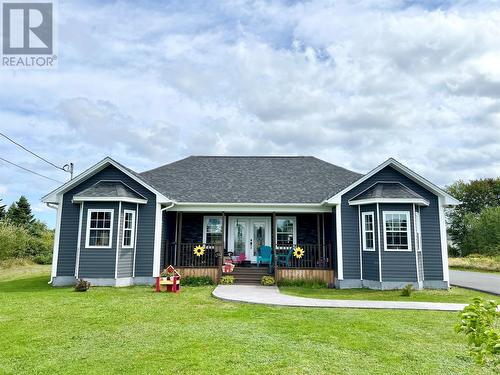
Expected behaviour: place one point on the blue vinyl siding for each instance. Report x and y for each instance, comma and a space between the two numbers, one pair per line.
69, 232
395, 266
370, 258
126, 255
98, 262
398, 265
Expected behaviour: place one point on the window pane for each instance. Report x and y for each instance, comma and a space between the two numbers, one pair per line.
214, 230
284, 231
99, 238
127, 238
369, 240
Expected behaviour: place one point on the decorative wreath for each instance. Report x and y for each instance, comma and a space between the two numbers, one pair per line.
298, 252
199, 250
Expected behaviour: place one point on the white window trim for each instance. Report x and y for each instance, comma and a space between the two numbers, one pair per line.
87, 239
132, 230
292, 218
364, 231
205, 222
408, 229
418, 229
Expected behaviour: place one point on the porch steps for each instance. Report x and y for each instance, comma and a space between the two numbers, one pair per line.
249, 275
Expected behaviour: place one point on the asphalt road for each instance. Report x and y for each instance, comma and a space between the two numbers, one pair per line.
485, 282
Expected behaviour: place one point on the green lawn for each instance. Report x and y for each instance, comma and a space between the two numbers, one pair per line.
50, 330
458, 295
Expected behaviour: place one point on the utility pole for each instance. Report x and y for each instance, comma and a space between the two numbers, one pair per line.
69, 168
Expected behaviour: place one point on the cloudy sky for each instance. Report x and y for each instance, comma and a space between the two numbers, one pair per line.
350, 82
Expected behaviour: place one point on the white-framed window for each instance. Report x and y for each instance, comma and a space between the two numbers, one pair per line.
128, 232
99, 229
418, 231
212, 229
368, 226
286, 231
397, 231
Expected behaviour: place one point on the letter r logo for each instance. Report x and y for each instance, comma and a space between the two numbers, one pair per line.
27, 28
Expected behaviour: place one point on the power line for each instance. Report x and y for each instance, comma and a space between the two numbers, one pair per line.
29, 170
33, 153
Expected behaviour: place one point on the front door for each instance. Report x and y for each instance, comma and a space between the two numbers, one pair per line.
247, 234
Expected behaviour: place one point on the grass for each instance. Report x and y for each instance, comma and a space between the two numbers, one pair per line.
48, 330
478, 263
17, 268
454, 295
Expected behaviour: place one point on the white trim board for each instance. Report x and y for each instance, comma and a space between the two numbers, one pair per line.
132, 229
448, 200
338, 225
408, 229
363, 230
109, 199
419, 201
79, 244
157, 243
444, 243
118, 238
251, 207
57, 234
87, 233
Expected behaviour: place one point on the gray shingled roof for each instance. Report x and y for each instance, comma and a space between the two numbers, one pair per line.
252, 179
387, 190
109, 189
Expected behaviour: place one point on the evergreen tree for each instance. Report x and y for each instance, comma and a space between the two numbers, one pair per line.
2, 210
20, 214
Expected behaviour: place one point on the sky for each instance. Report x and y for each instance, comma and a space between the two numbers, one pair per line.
350, 82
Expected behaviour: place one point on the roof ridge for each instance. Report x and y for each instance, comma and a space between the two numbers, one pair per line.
251, 156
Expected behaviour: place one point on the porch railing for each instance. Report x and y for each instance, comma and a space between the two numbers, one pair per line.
182, 254
313, 256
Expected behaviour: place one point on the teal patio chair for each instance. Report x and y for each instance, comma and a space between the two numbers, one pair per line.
284, 259
265, 256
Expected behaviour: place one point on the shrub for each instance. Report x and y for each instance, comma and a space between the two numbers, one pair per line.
407, 290
227, 280
20, 242
479, 321
267, 280
196, 281
82, 285
313, 284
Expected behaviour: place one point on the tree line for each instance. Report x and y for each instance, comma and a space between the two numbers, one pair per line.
474, 225
22, 236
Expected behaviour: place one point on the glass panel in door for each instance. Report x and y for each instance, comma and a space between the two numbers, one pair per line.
259, 237
240, 237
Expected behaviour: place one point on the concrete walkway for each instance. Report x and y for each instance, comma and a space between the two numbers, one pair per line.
270, 295
482, 281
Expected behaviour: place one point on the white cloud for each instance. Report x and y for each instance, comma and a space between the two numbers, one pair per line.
353, 83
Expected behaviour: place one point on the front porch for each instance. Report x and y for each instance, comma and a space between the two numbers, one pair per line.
240, 236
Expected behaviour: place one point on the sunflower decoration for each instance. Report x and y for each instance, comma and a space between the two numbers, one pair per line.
298, 252
199, 250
